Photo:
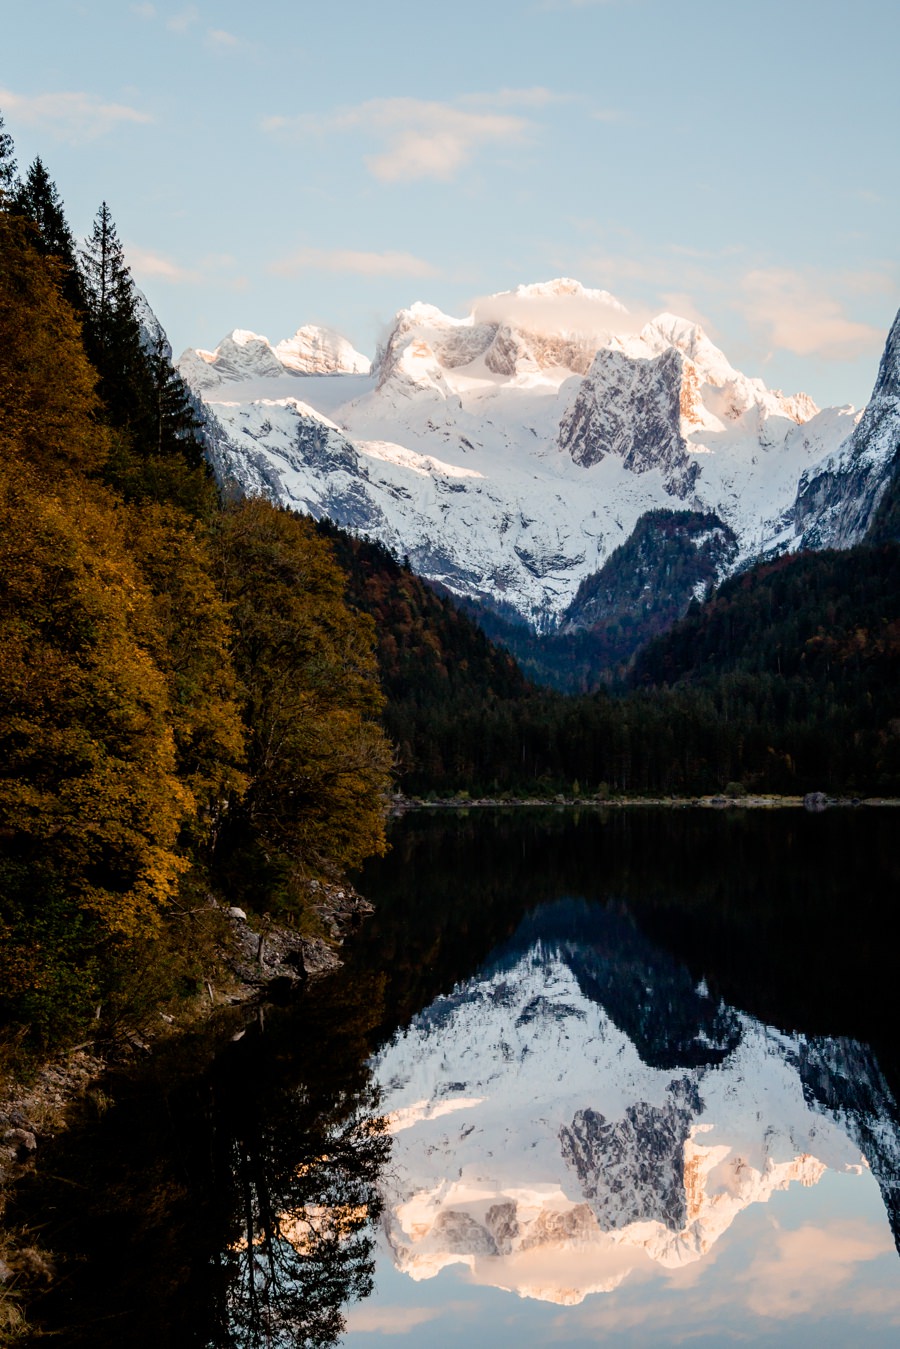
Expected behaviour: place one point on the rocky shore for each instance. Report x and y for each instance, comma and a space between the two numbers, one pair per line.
260, 962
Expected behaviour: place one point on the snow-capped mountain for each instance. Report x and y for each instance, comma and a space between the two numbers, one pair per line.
507, 453
837, 499
547, 1145
243, 356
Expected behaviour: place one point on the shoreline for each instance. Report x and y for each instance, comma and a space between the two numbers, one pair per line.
43, 1098
812, 801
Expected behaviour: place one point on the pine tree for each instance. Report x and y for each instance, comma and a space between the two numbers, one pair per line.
112, 334
7, 164
176, 424
38, 200
144, 396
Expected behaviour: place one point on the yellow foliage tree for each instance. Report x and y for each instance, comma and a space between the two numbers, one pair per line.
318, 762
189, 634
47, 386
88, 779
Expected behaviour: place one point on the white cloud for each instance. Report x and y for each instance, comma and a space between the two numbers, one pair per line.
222, 41
71, 116
808, 1266
350, 260
421, 138
144, 11
144, 262
798, 312
180, 23
538, 96
390, 1320
588, 316
804, 311
579, 4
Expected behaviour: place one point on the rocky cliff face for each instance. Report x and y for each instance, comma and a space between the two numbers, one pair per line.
632, 408
837, 500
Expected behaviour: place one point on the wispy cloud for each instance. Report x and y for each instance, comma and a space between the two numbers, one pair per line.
580, 4
70, 116
149, 266
808, 1266
424, 139
538, 96
145, 263
805, 311
349, 260
798, 312
180, 23
390, 1320
220, 40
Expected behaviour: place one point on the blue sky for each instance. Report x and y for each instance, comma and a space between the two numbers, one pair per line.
274, 164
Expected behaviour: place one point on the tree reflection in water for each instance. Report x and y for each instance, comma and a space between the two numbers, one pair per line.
228, 1197
306, 1244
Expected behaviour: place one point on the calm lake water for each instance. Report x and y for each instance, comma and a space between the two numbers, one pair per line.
587, 1076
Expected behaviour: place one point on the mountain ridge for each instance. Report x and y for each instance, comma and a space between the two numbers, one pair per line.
509, 452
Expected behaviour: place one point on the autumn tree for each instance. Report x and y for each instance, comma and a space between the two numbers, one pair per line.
91, 801
47, 386
318, 762
189, 634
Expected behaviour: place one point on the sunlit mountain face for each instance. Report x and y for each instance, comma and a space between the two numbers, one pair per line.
580, 1112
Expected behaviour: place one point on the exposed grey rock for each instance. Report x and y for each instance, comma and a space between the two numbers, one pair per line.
631, 407
23, 1138
632, 1170
837, 499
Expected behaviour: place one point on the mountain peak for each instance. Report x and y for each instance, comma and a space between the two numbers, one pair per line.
244, 354
562, 286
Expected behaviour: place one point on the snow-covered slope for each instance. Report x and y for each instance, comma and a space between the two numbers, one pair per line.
243, 355
535, 1143
509, 452
837, 499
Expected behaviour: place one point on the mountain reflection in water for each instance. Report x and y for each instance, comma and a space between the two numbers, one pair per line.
656, 1083
580, 1107
638, 1068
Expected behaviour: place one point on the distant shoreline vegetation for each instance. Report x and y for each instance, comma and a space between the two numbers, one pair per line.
721, 802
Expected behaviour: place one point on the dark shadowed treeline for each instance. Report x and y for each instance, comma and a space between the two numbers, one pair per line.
785, 680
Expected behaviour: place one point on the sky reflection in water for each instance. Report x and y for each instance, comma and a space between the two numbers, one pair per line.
587, 1146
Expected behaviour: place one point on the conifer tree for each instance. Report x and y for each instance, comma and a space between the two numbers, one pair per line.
112, 334
7, 164
144, 395
175, 420
38, 200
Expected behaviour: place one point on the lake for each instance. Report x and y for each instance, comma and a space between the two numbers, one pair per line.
627, 1076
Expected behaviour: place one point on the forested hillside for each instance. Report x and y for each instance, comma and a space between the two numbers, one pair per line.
785, 680
188, 703
642, 588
